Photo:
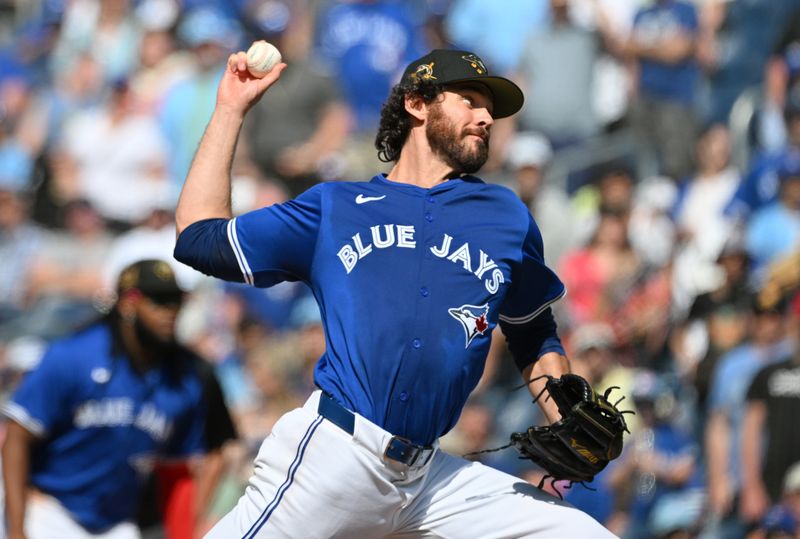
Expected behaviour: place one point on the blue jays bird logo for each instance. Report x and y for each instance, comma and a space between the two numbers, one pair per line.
472, 318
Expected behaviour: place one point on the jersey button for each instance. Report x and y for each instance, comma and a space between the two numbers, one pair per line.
403, 396
431, 199
429, 217
424, 291
416, 343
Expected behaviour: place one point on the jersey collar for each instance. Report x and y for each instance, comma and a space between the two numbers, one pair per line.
421, 191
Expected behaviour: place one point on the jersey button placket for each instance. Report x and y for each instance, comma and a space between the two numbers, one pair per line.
428, 215
429, 209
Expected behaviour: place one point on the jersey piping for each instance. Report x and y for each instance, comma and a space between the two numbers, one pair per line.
528, 317
233, 238
19, 414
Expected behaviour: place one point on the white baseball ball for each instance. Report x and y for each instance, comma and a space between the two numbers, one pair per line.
261, 58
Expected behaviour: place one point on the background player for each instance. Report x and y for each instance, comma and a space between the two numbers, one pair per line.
89, 422
412, 271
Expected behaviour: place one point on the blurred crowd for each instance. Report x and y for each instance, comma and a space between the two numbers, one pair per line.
658, 150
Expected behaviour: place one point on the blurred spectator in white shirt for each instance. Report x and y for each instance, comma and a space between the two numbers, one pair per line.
115, 158
699, 215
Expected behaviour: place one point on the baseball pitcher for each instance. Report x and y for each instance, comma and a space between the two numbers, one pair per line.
412, 271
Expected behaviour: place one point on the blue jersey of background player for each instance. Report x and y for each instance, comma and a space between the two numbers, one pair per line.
412, 271
103, 404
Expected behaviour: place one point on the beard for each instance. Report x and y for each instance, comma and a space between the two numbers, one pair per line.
451, 145
151, 341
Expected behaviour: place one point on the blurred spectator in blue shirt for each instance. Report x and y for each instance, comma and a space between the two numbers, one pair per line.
365, 44
18, 149
781, 82
774, 231
662, 43
736, 40
767, 344
188, 105
761, 184
368, 43
497, 33
660, 459
778, 123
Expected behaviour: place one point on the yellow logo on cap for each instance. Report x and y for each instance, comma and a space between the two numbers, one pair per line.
163, 271
475, 62
129, 278
424, 72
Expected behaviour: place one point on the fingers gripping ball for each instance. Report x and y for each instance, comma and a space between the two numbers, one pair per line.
261, 58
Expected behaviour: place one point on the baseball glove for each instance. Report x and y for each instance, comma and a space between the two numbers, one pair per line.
586, 438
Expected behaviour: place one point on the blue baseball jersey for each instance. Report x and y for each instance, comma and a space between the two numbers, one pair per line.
102, 424
410, 282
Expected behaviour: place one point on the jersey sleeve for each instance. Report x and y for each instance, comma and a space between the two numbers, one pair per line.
528, 342
41, 402
277, 243
534, 286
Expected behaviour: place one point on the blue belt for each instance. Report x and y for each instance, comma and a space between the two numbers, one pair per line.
398, 449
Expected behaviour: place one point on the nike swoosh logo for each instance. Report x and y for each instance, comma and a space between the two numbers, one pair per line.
361, 199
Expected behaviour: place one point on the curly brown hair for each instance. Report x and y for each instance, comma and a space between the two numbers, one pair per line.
395, 122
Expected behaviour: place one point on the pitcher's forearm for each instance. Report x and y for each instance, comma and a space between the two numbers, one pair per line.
553, 364
207, 191
16, 466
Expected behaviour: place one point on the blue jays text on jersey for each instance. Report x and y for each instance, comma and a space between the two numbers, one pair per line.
410, 283
404, 234
102, 425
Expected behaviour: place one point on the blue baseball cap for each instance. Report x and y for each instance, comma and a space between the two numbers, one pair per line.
205, 25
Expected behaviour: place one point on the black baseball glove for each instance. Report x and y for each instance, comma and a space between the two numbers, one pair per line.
580, 444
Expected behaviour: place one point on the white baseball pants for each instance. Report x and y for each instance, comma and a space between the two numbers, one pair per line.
46, 518
314, 480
